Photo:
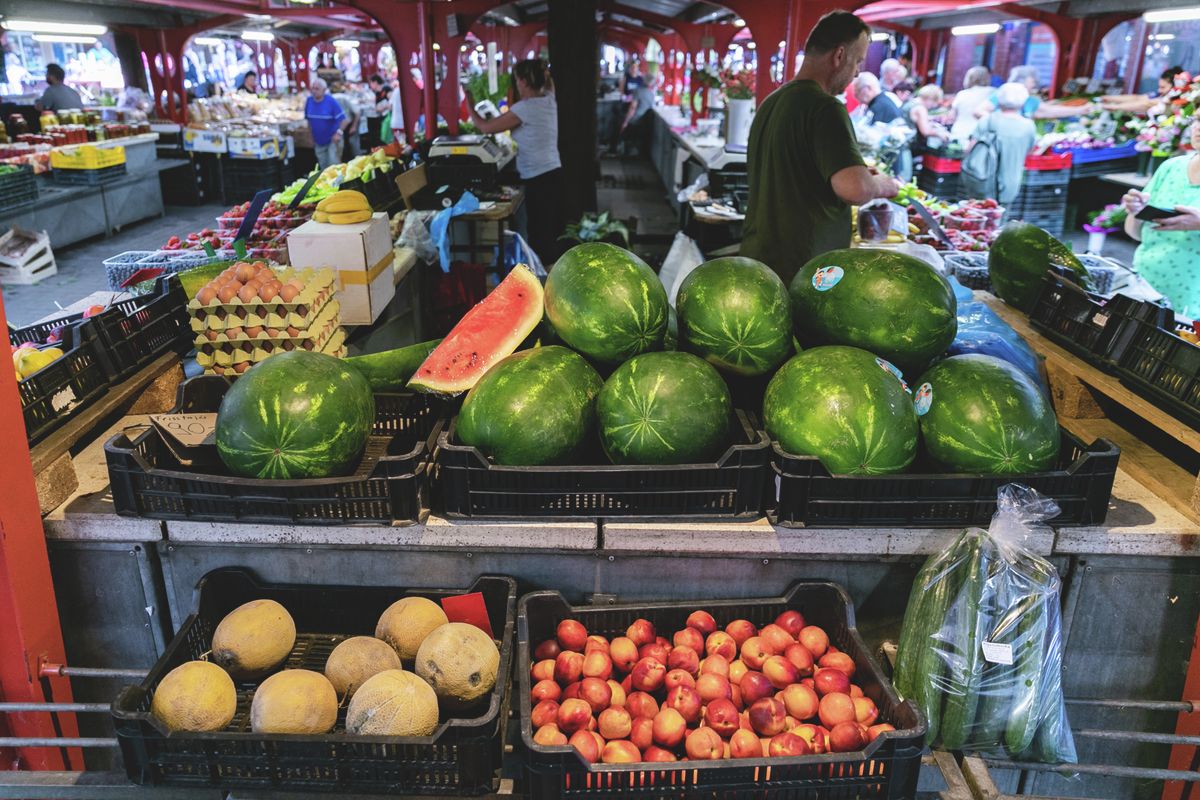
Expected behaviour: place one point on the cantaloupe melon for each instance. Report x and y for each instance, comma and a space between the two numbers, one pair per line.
459, 661
406, 623
196, 696
393, 703
355, 660
294, 701
254, 638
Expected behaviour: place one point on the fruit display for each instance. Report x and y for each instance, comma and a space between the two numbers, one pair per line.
196, 696
254, 638
333, 176
274, 215
1018, 261
29, 359
344, 207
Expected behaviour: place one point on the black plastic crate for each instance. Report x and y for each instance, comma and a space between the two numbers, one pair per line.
390, 484
942, 185
1095, 169
18, 188
50, 396
89, 177
886, 768
462, 757
810, 497
1160, 364
733, 487
1075, 319
1047, 177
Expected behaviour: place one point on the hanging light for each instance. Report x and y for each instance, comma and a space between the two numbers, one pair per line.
880, 36
437, 46
975, 30
258, 36
1172, 15
70, 28
64, 38
739, 23
351, 43
206, 41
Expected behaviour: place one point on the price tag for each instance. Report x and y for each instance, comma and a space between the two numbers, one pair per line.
190, 430
468, 608
997, 652
251, 218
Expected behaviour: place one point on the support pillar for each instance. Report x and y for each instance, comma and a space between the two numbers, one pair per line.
574, 52
429, 68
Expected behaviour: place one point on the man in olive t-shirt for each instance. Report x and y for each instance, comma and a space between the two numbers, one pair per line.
804, 167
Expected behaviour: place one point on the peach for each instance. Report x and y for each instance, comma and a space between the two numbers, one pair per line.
780, 672
571, 635
685, 658
838, 661
835, 708
874, 731
829, 681
689, 637
846, 737
768, 717
754, 687
679, 677
776, 637
686, 701
800, 657
641, 733
597, 664
736, 670
855, 690
547, 649
702, 621
571, 691
653, 753
618, 694
736, 696
741, 630
545, 690
669, 728
549, 735
627, 684
722, 716
568, 667
788, 744
721, 644
664, 641
585, 743
792, 622
710, 687
624, 653
801, 702
744, 744
815, 639
816, 736
744, 721
595, 642
544, 713
542, 670
641, 632
621, 752
715, 665
809, 682
755, 651
656, 650
615, 723
640, 704
704, 744
865, 711
648, 675
595, 693
573, 715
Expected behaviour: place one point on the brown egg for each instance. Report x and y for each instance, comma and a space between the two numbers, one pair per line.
260, 265
228, 292
234, 332
267, 293
212, 335
288, 293
265, 274
247, 293
245, 272
274, 333
293, 331
241, 367
206, 295
299, 284
254, 332
278, 284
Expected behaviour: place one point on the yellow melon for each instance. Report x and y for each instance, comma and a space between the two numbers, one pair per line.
393, 703
254, 638
196, 696
406, 623
294, 701
459, 661
355, 660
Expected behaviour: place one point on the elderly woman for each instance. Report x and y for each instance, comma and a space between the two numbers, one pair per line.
916, 113
1034, 108
973, 96
1014, 136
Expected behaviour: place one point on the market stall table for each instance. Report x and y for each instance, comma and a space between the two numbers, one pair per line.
1131, 180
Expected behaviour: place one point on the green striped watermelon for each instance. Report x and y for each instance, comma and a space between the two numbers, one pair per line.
735, 314
889, 303
390, 370
534, 407
664, 408
846, 407
295, 415
1019, 258
985, 415
606, 303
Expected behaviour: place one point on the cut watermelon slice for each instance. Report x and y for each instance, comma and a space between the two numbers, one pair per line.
490, 331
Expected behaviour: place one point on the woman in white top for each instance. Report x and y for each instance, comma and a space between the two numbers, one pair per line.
976, 91
533, 121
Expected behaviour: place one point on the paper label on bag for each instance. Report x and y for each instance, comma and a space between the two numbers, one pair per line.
998, 653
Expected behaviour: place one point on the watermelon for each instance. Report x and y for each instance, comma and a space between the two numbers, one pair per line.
889, 303
671, 339
982, 414
1018, 261
606, 303
735, 314
845, 406
534, 407
664, 408
390, 370
491, 330
295, 415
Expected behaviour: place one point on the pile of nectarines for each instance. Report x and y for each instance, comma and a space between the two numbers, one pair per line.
704, 694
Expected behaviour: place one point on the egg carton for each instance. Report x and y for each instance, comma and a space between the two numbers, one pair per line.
336, 347
227, 351
299, 313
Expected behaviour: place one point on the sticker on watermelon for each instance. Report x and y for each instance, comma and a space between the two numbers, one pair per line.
923, 399
490, 331
888, 366
826, 278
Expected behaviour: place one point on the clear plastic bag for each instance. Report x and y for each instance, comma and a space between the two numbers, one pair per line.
980, 330
981, 648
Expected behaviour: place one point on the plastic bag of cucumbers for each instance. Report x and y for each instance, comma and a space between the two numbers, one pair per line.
981, 647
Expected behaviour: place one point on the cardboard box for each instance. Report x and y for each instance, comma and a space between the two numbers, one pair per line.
362, 255
257, 147
202, 141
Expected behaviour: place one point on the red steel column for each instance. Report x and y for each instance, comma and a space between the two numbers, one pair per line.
430, 69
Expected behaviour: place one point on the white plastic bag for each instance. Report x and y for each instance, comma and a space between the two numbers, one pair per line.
683, 257
518, 251
414, 234
686, 192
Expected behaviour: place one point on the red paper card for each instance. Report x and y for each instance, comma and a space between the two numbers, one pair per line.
468, 608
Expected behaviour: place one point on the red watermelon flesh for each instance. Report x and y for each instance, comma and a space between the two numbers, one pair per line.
490, 331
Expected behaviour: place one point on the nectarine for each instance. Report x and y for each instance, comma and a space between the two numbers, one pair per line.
815, 639
571, 635
722, 716
615, 723
669, 728
641, 704
780, 672
648, 675
721, 644
702, 621
755, 651
624, 653
641, 632
827, 681
568, 667
768, 716
620, 752
686, 701
846, 737
678, 677
545, 690
710, 687
585, 743
704, 744
596, 693
597, 664
574, 715
788, 744
549, 735
745, 744
689, 637
685, 658
834, 709
741, 630
776, 638
791, 621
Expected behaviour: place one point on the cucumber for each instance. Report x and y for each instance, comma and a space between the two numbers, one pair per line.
962, 691
1029, 655
904, 677
995, 687
390, 370
1054, 743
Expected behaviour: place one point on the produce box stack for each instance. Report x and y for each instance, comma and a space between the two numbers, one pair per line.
248, 313
17, 186
1043, 197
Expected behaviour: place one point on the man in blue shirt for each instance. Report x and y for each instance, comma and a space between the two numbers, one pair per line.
327, 122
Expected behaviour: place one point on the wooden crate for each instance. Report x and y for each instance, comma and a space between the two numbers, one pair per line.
28, 264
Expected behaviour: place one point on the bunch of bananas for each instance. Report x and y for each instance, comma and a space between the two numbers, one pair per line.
343, 208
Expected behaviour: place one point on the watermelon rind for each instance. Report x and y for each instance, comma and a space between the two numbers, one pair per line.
735, 313
295, 415
664, 408
1019, 258
533, 408
606, 303
493, 329
986, 416
388, 371
844, 406
889, 303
